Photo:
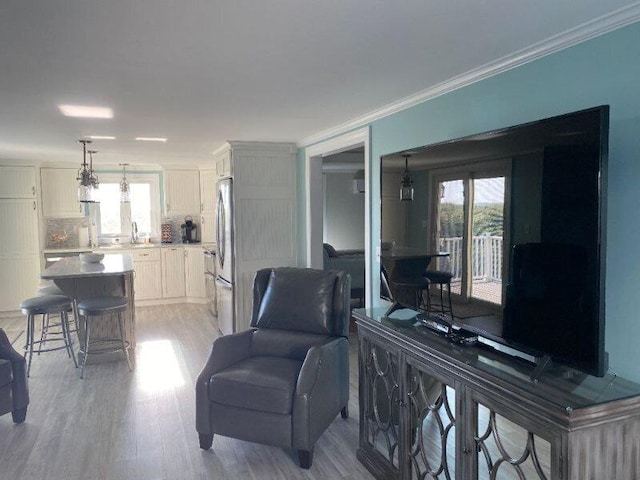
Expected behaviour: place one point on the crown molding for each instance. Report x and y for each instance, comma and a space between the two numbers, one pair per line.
612, 21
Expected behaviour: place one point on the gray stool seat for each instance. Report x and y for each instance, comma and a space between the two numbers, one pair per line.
97, 307
102, 305
49, 290
438, 276
45, 305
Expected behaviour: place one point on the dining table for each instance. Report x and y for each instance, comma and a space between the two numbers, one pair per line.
112, 276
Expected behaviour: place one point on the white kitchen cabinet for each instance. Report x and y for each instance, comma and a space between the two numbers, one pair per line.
60, 192
17, 182
20, 252
222, 160
194, 272
181, 192
173, 272
208, 183
208, 180
147, 263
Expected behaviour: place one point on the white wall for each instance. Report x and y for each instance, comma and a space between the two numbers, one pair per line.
343, 212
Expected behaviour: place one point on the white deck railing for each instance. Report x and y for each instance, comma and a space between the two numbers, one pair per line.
486, 258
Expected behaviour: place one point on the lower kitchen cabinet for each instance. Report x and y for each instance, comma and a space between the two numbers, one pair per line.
148, 276
173, 272
19, 277
194, 272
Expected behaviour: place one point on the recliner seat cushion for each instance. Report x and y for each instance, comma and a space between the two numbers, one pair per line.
258, 383
6, 373
304, 301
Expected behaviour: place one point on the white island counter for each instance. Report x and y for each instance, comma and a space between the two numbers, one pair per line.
113, 276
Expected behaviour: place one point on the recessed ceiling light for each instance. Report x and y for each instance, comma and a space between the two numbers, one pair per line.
85, 111
101, 137
151, 139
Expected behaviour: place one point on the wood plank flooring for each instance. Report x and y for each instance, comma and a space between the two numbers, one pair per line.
119, 425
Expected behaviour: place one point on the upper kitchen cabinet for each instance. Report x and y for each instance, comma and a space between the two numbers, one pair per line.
208, 181
17, 182
181, 192
60, 192
222, 160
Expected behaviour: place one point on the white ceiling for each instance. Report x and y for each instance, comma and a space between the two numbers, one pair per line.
201, 72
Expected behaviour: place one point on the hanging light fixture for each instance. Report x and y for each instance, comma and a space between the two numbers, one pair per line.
87, 179
406, 183
125, 191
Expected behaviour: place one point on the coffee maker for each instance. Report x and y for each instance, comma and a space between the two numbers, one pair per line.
189, 231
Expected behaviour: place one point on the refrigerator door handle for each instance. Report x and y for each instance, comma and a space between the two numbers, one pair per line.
220, 230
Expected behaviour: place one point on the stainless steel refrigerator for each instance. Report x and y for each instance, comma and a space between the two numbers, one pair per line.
224, 257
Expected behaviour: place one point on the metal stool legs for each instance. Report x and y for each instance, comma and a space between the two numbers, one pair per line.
125, 349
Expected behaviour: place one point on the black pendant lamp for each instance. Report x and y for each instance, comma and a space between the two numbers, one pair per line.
406, 184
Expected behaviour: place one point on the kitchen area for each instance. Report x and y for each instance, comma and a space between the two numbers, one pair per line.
195, 233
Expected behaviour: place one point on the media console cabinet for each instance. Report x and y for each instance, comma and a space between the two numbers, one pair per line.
432, 409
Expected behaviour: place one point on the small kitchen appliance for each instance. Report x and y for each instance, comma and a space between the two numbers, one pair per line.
189, 231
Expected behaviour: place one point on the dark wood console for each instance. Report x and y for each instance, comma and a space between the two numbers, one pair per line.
431, 409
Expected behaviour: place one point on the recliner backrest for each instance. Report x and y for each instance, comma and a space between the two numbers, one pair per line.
302, 299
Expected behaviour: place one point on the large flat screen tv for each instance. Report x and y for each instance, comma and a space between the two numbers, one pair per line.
521, 212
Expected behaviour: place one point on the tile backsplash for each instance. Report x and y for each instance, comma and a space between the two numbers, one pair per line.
63, 232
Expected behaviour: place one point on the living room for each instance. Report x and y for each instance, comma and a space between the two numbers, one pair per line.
121, 425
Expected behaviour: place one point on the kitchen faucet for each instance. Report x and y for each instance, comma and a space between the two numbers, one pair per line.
134, 232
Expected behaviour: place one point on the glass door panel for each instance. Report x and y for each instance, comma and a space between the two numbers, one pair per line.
487, 241
450, 230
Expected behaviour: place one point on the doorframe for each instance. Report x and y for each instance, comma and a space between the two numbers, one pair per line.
314, 204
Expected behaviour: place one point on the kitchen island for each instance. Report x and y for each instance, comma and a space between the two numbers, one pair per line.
113, 276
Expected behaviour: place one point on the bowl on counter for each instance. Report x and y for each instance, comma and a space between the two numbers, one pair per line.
90, 257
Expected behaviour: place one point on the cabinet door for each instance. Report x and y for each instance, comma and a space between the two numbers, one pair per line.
147, 280
19, 277
173, 284
194, 265
380, 399
17, 182
182, 192
208, 181
18, 227
223, 164
60, 193
207, 228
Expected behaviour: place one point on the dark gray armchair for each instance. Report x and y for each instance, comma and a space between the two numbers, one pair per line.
284, 381
14, 394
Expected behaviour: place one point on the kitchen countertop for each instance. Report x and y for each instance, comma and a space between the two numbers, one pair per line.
72, 267
123, 246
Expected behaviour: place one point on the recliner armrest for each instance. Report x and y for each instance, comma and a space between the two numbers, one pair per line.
321, 392
19, 387
225, 351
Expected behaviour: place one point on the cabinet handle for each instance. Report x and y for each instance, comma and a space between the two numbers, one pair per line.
34, 204
33, 190
202, 220
202, 207
167, 207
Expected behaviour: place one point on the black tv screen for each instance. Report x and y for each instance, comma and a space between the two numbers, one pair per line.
521, 212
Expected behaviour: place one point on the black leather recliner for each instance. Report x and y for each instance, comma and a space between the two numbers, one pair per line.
14, 393
284, 381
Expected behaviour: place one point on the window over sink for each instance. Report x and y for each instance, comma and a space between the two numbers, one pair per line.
114, 218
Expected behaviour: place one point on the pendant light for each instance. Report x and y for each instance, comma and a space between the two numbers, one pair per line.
406, 184
87, 180
125, 191
93, 178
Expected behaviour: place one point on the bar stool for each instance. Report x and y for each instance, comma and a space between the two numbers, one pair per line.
45, 305
415, 285
442, 278
99, 306
48, 328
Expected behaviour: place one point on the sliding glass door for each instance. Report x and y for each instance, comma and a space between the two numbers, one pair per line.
470, 225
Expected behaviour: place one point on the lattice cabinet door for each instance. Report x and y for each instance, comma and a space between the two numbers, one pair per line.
433, 409
380, 412
509, 444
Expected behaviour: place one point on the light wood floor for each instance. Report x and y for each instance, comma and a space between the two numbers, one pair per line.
120, 425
